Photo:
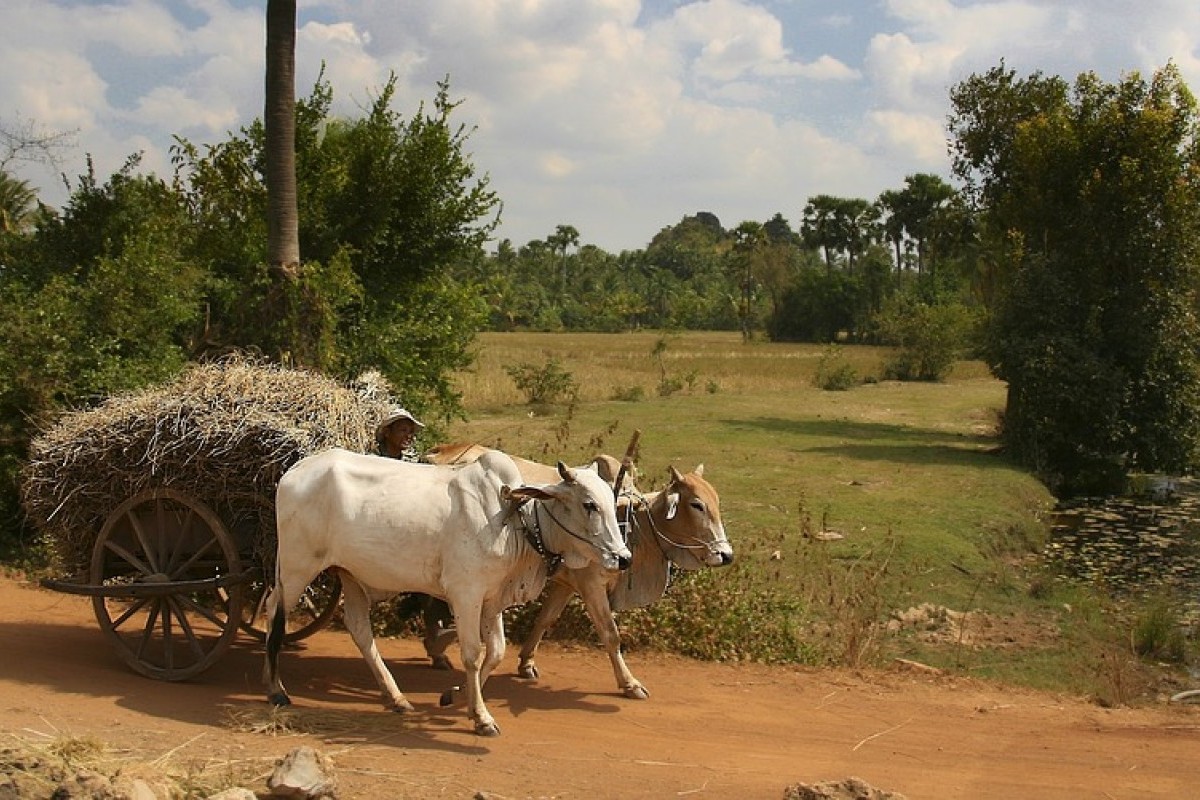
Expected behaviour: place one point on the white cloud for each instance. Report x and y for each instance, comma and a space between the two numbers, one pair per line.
910, 137
59, 89
172, 108
140, 28
911, 74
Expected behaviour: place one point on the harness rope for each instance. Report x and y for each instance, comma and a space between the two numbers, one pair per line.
532, 526
533, 535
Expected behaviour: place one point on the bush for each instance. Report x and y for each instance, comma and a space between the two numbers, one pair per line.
929, 338
548, 383
834, 373
1157, 633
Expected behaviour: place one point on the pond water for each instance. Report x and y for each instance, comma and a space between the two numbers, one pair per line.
1134, 546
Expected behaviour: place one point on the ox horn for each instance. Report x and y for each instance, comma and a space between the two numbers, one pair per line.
676, 476
566, 473
627, 462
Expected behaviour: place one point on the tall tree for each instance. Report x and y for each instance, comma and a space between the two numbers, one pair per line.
564, 237
750, 243
927, 203
892, 209
1091, 193
839, 225
923, 212
819, 225
859, 227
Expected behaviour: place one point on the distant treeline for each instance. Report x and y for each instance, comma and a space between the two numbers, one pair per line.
829, 278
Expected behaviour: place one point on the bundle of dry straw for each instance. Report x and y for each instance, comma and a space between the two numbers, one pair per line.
223, 433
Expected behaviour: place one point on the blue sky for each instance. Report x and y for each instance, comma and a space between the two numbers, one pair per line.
615, 116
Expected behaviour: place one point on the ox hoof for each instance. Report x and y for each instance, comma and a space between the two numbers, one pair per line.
400, 706
637, 692
441, 662
279, 699
528, 671
487, 729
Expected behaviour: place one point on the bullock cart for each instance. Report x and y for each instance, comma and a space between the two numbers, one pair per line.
160, 505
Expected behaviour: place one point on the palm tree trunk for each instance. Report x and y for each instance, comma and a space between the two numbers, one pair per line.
283, 224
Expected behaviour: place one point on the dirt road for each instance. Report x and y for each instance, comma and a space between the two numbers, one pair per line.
708, 731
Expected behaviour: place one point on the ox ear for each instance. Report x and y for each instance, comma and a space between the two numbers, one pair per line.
672, 504
511, 498
699, 470
566, 473
522, 493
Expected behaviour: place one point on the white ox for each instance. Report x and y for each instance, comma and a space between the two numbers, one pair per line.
680, 525
389, 526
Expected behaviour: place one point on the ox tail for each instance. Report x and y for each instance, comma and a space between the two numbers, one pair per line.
276, 626
276, 695
275, 636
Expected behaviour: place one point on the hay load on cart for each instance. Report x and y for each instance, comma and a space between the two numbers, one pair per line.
159, 504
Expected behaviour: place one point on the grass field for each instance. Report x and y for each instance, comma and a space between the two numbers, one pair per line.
908, 474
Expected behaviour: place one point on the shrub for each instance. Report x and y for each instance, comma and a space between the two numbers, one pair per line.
548, 383
834, 373
929, 338
1157, 633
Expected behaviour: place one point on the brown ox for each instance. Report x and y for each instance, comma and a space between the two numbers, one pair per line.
679, 525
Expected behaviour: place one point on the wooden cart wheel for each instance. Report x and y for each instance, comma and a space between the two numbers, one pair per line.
155, 539
316, 608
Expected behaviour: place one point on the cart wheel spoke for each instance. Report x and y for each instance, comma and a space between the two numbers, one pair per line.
134, 608
129, 558
149, 551
149, 628
185, 627
178, 546
183, 569
182, 601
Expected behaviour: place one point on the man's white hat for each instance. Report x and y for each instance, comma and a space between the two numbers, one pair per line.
398, 413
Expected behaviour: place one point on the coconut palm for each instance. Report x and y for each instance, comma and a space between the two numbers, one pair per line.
18, 203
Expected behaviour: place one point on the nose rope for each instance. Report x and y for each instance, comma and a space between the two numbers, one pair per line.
700, 544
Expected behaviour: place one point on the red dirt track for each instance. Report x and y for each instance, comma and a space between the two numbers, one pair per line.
708, 730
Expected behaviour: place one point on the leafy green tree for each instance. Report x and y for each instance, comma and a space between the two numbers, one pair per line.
820, 306
749, 249
390, 209
892, 210
97, 299
1089, 193
103, 293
